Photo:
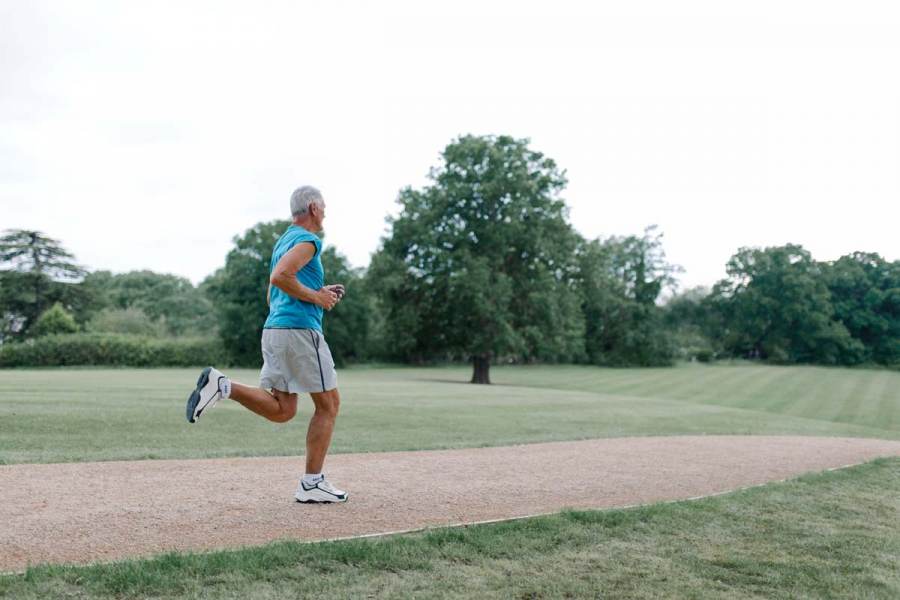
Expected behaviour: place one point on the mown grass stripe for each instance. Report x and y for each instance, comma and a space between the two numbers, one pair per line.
111, 414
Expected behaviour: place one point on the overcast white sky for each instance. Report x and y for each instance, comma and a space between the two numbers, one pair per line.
147, 135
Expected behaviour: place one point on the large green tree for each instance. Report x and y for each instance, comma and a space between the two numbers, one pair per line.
479, 264
775, 305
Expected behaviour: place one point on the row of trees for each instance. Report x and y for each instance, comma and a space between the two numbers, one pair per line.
781, 305
483, 265
43, 291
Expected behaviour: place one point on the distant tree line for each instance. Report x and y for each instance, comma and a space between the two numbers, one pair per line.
780, 305
40, 295
481, 265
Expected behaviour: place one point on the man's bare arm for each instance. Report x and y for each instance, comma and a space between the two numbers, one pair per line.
284, 277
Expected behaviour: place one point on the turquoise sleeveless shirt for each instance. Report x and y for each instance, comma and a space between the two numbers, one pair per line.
286, 312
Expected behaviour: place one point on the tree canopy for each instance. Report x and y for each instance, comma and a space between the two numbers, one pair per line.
35, 273
479, 264
621, 280
775, 305
865, 293
32, 251
170, 302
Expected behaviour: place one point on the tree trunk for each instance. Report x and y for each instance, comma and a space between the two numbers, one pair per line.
481, 368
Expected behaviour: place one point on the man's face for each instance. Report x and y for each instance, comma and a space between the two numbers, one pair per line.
319, 215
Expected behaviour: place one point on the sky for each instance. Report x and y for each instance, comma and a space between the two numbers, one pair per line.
148, 135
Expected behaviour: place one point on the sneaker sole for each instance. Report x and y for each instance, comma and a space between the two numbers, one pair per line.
194, 398
320, 501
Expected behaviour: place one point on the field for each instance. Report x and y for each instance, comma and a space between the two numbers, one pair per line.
93, 414
831, 534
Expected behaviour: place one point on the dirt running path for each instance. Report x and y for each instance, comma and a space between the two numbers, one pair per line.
87, 512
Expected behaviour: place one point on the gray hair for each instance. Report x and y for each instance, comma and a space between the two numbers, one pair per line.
303, 197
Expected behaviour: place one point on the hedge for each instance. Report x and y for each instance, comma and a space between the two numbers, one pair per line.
111, 349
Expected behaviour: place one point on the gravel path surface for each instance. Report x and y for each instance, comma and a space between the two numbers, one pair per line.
88, 512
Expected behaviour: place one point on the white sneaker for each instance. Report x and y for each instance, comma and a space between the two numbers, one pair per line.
322, 491
205, 395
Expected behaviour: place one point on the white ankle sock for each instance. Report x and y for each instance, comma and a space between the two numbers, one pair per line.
225, 387
311, 478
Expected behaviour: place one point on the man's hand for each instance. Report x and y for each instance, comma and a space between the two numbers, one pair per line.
337, 288
326, 298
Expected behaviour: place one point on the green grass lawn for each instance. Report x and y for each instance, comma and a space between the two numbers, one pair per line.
831, 535
50, 415
853, 396
825, 535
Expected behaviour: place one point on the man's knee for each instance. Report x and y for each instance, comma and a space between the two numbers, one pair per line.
327, 403
287, 406
286, 413
335, 401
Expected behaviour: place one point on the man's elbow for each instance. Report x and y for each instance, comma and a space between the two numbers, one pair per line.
277, 279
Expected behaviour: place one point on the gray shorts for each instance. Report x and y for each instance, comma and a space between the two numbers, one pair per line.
296, 361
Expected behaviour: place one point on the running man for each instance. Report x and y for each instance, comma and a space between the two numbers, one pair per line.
296, 358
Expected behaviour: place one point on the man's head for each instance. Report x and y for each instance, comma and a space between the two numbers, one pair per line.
308, 208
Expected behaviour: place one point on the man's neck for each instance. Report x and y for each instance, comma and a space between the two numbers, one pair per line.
306, 224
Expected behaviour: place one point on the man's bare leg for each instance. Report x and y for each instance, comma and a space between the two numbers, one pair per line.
321, 426
277, 406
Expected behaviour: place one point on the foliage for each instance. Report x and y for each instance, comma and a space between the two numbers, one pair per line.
170, 301
132, 321
479, 264
239, 291
686, 308
110, 349
16, 304
482, 264
687, 319
346, 326
19, 301
621, 279
38, 273
775, 305
31, 251
865, 293
54, 320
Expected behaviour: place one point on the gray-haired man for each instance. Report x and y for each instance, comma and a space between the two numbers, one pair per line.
296, 357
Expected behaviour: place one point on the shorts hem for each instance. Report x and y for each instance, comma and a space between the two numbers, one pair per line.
291, 387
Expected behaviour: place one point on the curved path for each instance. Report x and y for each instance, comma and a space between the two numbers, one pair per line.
89, 512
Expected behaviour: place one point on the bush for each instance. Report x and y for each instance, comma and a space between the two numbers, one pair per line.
704, 355
55, 319
111, 350
690, 344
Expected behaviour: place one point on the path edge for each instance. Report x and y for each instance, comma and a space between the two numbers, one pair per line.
446, 526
